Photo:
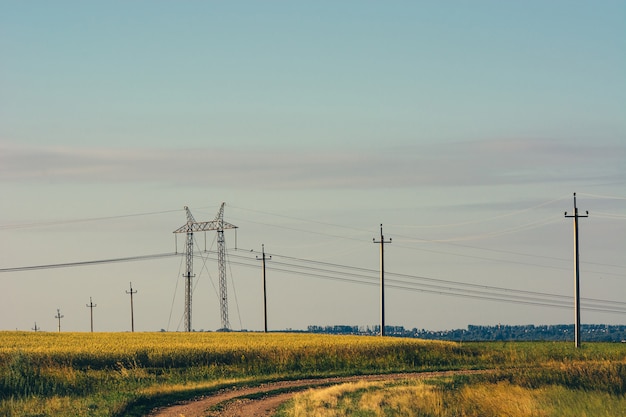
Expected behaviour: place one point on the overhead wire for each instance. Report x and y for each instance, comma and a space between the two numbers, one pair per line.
450, 241
516, 229
93, 262
232, 281
487, 219
609, 215
81, 220
205, 259
606, 197
180, 268
298, 218
197, 280
471, 285
365, 276
443, 291
443, 287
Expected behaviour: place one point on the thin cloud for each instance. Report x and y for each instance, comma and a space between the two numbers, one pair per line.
468, 163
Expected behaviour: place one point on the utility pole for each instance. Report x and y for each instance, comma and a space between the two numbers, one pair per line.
382, 242
132, 314
91, 305
36, 328
59, 317
576, 216
263, 258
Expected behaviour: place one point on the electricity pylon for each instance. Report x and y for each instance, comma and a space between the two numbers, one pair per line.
189, 228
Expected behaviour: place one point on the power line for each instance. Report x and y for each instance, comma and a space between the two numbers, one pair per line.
83, 220
364, 271
358, 275
519, 228
410, 238
509, 252
606, 197
508, 214
346, 273
441, 287
451, 241
88, 263
299, 219
609, 215
441, 290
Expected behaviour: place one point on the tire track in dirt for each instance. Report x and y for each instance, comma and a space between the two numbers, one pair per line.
267, 397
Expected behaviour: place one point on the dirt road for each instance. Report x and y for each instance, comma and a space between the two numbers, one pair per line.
267, 397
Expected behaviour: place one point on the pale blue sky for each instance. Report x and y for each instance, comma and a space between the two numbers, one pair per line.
466, 122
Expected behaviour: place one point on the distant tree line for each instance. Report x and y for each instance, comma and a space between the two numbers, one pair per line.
530, 332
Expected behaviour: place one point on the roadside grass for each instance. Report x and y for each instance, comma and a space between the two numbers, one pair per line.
532, 394
115, 374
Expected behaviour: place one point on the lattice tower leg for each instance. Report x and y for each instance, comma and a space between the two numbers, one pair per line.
221, 260
188, 281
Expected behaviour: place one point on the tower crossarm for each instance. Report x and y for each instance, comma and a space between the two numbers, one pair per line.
193, 226
204, 226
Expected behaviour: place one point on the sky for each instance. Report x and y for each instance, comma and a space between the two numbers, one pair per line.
464, 128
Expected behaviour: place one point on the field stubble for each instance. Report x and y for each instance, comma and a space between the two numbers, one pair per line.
109, 374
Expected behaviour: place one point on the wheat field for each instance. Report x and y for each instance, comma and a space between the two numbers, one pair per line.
115, 374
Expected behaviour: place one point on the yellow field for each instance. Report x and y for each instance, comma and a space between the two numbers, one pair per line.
115, 374
106, 374
174, 350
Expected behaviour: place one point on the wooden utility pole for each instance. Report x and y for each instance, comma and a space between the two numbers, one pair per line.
382, 279
132, 314
91, 305
263, 258
576, 216
59, 317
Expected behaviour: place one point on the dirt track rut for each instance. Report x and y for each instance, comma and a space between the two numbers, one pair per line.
235, 402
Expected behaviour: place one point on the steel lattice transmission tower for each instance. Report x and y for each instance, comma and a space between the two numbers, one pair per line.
189, 228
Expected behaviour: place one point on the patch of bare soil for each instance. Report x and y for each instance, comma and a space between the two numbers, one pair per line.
236, 401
